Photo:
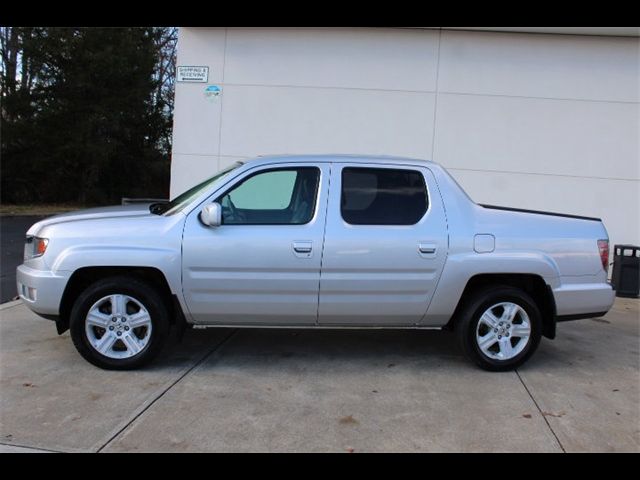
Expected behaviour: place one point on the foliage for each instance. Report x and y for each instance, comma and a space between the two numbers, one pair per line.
86, 113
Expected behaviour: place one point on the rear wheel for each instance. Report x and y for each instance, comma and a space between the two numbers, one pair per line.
119, 323
500, 328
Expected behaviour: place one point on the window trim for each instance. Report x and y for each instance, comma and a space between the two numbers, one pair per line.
391, 168
218, 197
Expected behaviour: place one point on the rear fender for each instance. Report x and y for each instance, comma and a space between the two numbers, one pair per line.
460, 268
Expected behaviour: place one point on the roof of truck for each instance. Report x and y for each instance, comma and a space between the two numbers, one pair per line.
381, 159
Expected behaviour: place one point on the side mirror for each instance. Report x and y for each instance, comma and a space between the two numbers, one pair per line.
211, 215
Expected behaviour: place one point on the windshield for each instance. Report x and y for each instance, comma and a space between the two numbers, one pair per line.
187, 197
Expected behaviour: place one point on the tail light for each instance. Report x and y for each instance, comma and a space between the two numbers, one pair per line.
603, 248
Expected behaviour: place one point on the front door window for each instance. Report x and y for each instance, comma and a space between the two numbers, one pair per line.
284, 196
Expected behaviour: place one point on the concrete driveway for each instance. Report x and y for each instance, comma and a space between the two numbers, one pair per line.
295, 390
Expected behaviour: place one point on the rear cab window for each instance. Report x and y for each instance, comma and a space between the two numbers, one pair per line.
383, 196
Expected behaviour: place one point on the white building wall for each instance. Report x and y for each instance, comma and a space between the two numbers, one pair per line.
547, 122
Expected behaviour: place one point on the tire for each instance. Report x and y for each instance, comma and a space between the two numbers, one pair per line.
477, 329
99, 328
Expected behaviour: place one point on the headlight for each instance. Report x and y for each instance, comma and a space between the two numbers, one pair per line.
35, 247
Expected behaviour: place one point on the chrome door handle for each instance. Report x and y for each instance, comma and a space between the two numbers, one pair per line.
427, 249
302, 247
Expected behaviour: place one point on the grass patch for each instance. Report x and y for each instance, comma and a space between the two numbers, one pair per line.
40, 210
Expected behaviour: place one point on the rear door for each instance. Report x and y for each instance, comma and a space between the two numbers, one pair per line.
385, 245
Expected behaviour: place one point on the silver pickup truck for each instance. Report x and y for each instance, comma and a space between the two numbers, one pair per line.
321, 242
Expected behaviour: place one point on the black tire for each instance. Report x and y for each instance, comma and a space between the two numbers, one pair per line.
141, 291
476, 306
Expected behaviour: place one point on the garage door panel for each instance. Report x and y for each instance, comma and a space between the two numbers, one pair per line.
377, 58
553, 66
575, 138
273, 120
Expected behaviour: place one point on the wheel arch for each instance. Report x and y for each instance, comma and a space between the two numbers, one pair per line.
85, 276
534, 285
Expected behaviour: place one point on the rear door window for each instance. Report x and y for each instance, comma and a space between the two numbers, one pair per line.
382, 196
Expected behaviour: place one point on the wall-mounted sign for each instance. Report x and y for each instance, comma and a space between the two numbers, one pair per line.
212, 92
192, 74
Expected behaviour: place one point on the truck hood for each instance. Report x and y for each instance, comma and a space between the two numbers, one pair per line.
136, 210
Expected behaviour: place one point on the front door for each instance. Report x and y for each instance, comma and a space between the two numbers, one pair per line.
262, 265
385, 246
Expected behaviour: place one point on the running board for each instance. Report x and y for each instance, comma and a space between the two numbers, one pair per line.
318, 327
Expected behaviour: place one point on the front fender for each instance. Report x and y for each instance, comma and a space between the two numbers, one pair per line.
167, 260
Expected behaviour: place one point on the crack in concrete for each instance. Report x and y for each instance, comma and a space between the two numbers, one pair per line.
204, 358
39, 449
541, 412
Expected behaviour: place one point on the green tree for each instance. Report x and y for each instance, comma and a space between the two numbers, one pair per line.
89, 121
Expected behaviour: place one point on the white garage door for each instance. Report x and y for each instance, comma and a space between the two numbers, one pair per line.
536, 121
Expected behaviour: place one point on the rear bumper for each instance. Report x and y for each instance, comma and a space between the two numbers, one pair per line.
41, 290
583, 300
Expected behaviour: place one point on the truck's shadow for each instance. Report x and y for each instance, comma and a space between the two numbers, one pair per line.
306, 347
268, 346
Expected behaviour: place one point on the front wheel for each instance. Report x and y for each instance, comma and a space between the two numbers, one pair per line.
500, 328
119, 323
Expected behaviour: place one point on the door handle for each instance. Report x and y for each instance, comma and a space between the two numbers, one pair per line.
303, 247
427, 248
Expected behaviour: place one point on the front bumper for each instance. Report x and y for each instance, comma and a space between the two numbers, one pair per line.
41, 290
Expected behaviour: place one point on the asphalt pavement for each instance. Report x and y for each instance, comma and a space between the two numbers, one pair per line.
12, 235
